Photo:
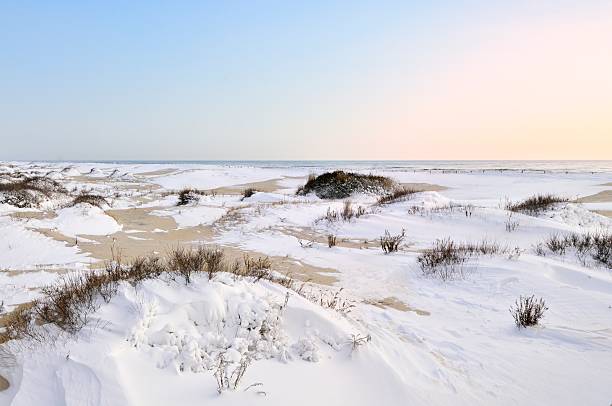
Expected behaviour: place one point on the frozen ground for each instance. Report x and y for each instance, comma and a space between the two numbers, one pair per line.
420, 340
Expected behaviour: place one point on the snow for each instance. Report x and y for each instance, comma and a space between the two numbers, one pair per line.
80, 219
21, 248
454, 342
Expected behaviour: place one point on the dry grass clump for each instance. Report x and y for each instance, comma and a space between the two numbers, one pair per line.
596, 245
447, 257
89, 198
29, 192
246, 193
511, 223
331, 240
536, 204
397, 195
188, 262
391, 243
256, 268
528, 311
346, 214
340, 185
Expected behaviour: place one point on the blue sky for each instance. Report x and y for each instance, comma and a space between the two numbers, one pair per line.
282, 80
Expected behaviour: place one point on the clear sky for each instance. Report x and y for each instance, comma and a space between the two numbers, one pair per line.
314, 80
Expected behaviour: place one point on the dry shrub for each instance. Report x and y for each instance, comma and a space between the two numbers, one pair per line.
331, 240
347, 213
535, 204
446, 258
229, 374
257, 268
188, 262
596, 245
391, 243
528, 311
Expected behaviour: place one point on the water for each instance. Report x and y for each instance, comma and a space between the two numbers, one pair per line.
558, 166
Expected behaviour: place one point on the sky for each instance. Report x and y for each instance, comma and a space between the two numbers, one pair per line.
246, 80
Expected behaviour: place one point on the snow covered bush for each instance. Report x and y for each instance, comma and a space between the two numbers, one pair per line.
340, 185
528, 311
187, 196
89, 198
29, 192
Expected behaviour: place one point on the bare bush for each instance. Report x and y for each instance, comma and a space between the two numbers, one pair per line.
594, 245
391, 243
331, 240
528, 311
229, 374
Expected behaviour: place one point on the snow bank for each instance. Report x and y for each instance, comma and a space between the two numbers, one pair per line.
80, 219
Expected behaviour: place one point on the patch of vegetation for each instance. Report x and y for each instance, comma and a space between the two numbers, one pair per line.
595, 245
391, 243
447, 257
511, 223
246, 193
528, 311
28, 192
88, 198
397, 195
346, 214
187, 196
340, 185
331, 240
69, 303
535, 204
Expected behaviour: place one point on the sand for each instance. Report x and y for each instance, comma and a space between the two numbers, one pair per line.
423, 187
4, 384
602, 197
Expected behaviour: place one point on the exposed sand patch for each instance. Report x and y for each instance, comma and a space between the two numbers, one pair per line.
4, 384
607, 213
423, 187
306, 235
35, 215
287, 266
394, 303
157, 235
267, 186
602, 197
607, 184
159, 172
